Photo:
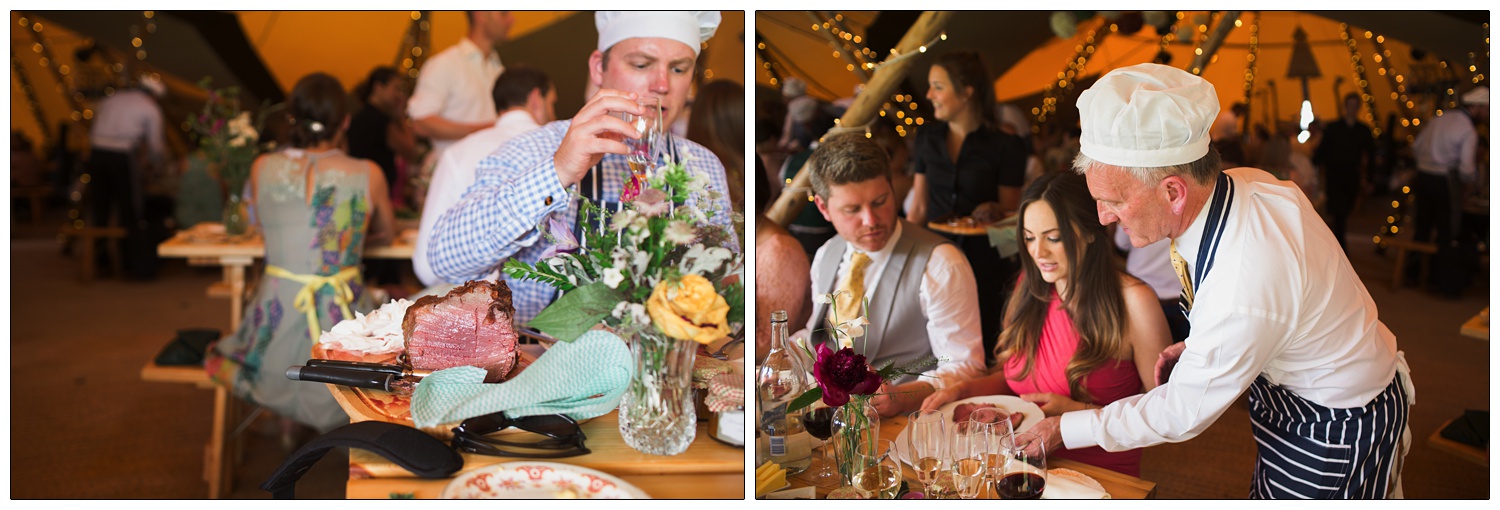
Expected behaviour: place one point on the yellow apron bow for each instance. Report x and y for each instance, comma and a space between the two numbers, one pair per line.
306, 298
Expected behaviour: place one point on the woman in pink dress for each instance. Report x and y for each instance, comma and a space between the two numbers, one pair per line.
1079, 332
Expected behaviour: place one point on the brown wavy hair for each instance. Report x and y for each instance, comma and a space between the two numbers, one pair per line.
1098, 313
318, 108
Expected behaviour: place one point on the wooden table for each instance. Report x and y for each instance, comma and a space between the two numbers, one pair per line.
235, 254
1118, 485
707, 470
1478, 326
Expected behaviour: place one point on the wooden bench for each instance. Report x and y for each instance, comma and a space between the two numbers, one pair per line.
1402, 246
222, 450
86, 237
36, 196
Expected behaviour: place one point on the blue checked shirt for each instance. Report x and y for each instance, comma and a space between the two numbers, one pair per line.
516, 189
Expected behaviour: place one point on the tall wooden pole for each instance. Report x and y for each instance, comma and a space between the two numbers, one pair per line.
838, 45
1215, 39
884, 82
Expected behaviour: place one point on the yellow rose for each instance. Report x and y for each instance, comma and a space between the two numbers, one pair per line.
689, 309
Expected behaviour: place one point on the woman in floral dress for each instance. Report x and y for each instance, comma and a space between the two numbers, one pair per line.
317, 207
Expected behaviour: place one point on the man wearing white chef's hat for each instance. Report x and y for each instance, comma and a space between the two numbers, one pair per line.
1274, 304
526, 182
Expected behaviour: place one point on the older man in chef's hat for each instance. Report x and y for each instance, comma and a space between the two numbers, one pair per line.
525, 183
1275, 307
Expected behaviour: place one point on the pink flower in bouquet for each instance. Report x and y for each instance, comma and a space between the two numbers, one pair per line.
652, 202
633, 188
843, 373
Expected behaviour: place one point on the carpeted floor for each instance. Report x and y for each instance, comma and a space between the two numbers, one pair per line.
84, 426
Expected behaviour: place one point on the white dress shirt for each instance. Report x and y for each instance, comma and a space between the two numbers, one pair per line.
125, 120
949, 301
456, 84
1280, 300
453, 176
1447, 142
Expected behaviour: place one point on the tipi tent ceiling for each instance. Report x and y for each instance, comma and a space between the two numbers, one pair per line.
266, 52
1021, 50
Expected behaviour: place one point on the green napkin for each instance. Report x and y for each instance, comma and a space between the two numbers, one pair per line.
582, 379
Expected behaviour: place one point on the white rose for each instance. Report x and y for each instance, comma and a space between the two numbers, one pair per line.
613, 277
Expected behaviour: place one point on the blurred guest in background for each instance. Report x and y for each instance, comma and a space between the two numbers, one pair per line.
379, 132
318, 206
1345, 154
781, 271
452, 97
1446, 151
127, 123
717, 122
967, 166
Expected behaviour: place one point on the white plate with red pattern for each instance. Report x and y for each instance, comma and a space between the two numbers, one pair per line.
539, 480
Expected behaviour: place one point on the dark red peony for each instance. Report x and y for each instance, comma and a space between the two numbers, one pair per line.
843, 373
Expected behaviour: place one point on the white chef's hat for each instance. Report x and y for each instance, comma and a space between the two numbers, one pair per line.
152, 83
1480, 96
692, 28
1147, 115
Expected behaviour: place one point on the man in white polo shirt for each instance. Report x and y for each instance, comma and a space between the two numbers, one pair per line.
1274, 304
452, 97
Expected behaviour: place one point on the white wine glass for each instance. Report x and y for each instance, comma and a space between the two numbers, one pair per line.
968, 453
878, 473
926, 434
996, 423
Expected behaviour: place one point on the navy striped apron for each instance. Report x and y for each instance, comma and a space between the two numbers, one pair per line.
1306, 450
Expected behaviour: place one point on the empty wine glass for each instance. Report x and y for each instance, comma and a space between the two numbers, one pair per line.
645, 151
877, 474
1024, 474
926, 432
968, 451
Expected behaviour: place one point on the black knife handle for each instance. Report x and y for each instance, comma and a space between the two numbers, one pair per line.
354, 378
396, 370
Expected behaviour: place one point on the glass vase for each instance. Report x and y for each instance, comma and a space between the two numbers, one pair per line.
236, 215
856, 426
656, 412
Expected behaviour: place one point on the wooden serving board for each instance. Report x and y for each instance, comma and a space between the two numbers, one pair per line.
364, 404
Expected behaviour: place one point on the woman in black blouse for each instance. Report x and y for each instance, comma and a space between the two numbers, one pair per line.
966, 166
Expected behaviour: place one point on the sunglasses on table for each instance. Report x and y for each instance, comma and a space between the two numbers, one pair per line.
561, 436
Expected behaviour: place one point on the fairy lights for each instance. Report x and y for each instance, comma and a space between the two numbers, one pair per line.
1252, 56
1404, 104
1067, 78
1361, 80
413, 51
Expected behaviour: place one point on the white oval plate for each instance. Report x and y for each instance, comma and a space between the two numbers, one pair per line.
539, 480
1009, 403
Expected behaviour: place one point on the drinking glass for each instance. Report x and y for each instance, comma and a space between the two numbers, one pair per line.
819, 423
968, 452
645, 151
994, 422
877, 474
1024, 474
926, 432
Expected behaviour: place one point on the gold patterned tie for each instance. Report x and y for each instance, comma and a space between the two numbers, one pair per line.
1180, 265
852, 290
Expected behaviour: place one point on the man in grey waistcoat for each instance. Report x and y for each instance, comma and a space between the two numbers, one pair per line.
919, 287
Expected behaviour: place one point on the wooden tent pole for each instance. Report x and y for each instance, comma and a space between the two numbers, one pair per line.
1215, 40
885, 80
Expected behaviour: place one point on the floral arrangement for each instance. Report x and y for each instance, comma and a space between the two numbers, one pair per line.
845, 374
656, 266
226, 134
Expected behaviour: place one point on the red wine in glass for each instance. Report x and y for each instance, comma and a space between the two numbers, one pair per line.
819, 422
1020, 486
